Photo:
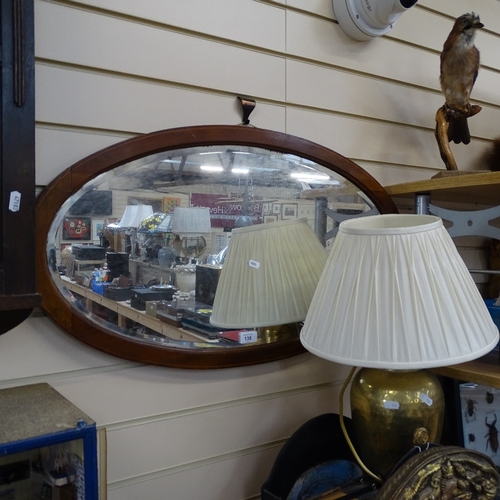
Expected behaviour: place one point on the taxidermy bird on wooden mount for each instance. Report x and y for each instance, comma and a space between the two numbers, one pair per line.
459, 68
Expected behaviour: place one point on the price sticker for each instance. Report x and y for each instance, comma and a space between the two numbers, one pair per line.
247, 337
391, 405
15, 201
426, 399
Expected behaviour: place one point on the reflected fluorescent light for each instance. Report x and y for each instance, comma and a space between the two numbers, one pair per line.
178, 162
240, 170
211, 153
211, 168
306, 177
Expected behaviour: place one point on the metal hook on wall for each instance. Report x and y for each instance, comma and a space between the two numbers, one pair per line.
247, 106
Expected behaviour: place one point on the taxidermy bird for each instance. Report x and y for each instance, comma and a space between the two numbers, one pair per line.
492, 157
459, 68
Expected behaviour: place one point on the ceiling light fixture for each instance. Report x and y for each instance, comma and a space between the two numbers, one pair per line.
240, 170
211, 168
305, 176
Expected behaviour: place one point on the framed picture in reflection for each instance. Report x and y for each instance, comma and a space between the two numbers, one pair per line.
76, 228
170, 203
289, 211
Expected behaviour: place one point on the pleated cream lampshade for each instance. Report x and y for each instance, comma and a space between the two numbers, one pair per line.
191, 220
269, 275
396, 294
134, 215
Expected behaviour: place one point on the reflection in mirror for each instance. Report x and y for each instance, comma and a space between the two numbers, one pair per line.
137, 250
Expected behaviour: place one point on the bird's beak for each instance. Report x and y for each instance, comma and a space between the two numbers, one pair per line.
478, 25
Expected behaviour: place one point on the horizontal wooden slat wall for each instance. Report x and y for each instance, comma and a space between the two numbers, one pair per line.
107, 70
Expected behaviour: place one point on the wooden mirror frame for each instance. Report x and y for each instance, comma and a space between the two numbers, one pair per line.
76, 176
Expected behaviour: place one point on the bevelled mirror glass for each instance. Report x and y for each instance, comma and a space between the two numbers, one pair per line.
132, 239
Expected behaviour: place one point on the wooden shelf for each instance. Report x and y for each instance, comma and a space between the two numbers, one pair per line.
125, 311
470, 188
485, 370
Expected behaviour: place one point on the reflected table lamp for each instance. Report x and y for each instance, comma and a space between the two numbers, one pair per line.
394, 299
130, 222
134, 215
154, 227
192, 223
268, 278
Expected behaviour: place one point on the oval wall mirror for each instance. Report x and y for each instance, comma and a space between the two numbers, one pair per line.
117, 269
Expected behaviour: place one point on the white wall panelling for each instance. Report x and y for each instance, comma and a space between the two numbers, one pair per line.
151, 51
37, 348
87, 99
213, 431
221, 477
166, 394
245, 21
57, 148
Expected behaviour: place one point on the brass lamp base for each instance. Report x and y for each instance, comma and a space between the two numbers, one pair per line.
392, 409
268, 334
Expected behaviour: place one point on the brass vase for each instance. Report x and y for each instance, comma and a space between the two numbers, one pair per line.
391, 412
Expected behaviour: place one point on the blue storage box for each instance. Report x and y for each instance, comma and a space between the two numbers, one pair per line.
494, 311
99, 287
495, 315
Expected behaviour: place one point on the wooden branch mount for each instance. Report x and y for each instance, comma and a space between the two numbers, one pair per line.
445, 116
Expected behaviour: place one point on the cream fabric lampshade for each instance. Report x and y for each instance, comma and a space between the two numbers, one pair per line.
134, 215
194, 220
396, 294
269, 275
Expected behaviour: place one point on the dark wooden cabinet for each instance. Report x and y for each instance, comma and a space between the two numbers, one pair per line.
17, 163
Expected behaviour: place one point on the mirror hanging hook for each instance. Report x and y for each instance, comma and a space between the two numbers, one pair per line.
247, 106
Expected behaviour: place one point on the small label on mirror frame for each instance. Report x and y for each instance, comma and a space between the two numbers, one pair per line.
247, 337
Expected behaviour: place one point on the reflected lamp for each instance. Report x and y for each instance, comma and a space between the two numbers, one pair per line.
131, 220
268, 278
134, 215
192, 222
396, 298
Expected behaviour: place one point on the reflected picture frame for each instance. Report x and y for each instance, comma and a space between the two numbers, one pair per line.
97, 228
289, 211
76, 228
270, 218
170, 203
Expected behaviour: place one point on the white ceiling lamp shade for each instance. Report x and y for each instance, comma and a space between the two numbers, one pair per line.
366, 19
